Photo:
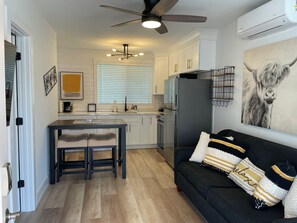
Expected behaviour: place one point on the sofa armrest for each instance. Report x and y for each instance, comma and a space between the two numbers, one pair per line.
182, 154
285, 220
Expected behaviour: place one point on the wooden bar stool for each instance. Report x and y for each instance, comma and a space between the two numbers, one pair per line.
102, 141
75, 143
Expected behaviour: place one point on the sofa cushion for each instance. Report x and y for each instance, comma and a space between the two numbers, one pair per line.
223, 154
200, 150
290, 201
203, 178
236, 206
246, 175
201, 147
274, 186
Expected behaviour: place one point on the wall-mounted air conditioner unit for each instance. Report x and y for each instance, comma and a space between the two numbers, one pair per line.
275, 15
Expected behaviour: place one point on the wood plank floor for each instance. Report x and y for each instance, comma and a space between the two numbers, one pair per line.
147, 195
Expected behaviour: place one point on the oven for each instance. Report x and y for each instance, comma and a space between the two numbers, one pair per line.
160, 133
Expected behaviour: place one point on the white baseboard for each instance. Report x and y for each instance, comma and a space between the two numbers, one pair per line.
149, 146
42, 190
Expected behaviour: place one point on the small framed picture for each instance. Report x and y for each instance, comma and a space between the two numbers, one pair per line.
50, 80
91, 107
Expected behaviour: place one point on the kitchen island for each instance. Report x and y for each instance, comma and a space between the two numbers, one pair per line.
62, 125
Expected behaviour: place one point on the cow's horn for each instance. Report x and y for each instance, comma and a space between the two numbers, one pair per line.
292, 63
247, 67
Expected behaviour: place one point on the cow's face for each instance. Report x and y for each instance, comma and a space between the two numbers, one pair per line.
268, 77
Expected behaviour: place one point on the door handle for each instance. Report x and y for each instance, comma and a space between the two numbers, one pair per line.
9, 216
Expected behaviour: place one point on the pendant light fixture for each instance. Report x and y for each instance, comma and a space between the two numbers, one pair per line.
124, 54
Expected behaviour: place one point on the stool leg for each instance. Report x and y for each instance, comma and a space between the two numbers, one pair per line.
90, 162
86, 163
58, 164
63, 158
114, 158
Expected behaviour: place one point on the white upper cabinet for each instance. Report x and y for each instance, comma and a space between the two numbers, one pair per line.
197, 52
160, 74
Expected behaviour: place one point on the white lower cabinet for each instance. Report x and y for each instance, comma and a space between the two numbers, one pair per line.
149, 130
133, 130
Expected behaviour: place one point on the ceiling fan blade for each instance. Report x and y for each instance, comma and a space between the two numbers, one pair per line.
162, 29
121, 10
163, 6
184, 18
127, 23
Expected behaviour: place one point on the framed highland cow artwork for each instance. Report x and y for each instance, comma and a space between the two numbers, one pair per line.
269, 92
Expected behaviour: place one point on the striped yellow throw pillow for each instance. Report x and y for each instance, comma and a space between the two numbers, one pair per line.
274, 185
246, 175
223, 154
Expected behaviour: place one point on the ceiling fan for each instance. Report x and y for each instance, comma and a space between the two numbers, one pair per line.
154, 14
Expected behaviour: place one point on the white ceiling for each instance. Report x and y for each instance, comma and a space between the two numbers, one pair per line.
83, 24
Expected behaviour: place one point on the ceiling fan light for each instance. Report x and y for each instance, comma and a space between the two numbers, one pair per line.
151, 22
109, 55
141, 54
135, 55
114, 50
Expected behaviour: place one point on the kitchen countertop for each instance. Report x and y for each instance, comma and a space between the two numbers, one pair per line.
109, 113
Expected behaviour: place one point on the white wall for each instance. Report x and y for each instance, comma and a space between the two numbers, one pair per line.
3, 149
230, 52
79, 60
44, 56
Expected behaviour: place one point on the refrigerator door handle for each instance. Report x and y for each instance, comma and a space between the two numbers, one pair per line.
175, 100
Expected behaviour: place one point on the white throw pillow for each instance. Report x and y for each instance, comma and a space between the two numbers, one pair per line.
199, 152
290, 201
246, 175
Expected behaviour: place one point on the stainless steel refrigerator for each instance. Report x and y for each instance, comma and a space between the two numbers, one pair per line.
188, 111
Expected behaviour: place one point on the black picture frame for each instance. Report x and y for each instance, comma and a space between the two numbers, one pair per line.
50, 79
92, 107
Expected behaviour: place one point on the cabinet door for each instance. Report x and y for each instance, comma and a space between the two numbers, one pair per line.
187, 52
134, 133
153, 130
173, 64
161, 74
145, 130
133, 129
195, 57
149, 130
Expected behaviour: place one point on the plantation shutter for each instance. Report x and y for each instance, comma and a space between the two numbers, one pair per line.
115, 82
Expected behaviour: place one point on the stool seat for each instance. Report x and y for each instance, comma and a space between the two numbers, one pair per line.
73, 141
101, 141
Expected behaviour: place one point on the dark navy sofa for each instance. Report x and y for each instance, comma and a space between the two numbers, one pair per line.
220, 200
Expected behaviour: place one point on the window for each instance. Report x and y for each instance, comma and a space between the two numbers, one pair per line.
115, 82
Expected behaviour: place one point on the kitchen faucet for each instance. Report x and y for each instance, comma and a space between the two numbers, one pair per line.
126, 107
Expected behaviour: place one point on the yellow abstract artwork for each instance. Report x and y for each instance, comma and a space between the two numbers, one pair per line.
71, 85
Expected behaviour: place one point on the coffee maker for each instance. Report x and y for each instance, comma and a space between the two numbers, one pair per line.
67, 107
